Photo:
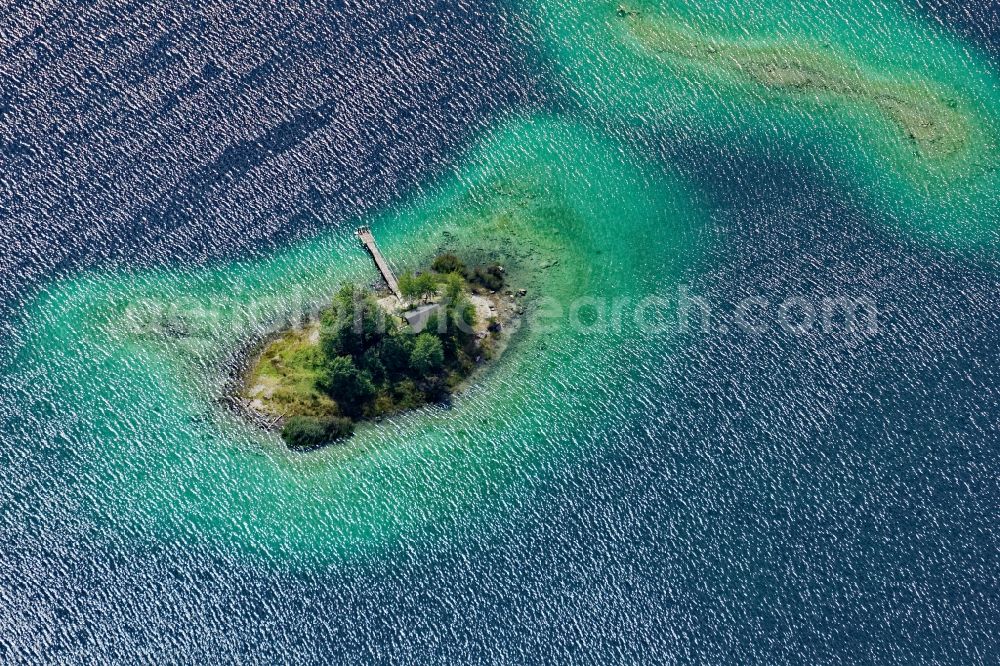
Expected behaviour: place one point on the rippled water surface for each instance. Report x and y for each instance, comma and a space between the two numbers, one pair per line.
721, 473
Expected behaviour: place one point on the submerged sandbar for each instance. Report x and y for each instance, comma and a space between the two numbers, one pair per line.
931, 120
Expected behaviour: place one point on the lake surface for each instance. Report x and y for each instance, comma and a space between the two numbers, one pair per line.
697, 459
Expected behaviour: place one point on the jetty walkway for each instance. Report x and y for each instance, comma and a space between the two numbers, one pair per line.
364, 235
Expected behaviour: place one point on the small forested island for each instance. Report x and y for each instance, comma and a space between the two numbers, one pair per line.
373, 355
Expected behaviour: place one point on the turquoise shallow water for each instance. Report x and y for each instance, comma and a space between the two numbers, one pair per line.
699, 79
608, 492
541, 188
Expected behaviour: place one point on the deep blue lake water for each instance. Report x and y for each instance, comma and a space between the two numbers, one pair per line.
792, 499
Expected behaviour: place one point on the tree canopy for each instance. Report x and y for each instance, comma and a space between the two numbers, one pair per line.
352, 324
350, 387
427, 356
371, 364
309, 432
421, 286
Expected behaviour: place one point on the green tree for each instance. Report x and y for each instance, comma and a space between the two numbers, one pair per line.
351, 388
454, 285
421, 286
463, 319
491, 277
435, 388
352, 324
436, 324
448, 263
371, 363
394, 354
309, 432
427, 285
427, 356
408, 285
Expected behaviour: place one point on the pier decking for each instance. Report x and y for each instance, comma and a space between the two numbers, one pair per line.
364, 235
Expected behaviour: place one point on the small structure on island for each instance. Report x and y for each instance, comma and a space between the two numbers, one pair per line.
418, 317
364, 235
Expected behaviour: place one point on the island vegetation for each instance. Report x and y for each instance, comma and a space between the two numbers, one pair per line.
369, 357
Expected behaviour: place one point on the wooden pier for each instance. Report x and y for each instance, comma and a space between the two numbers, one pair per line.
364, 235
